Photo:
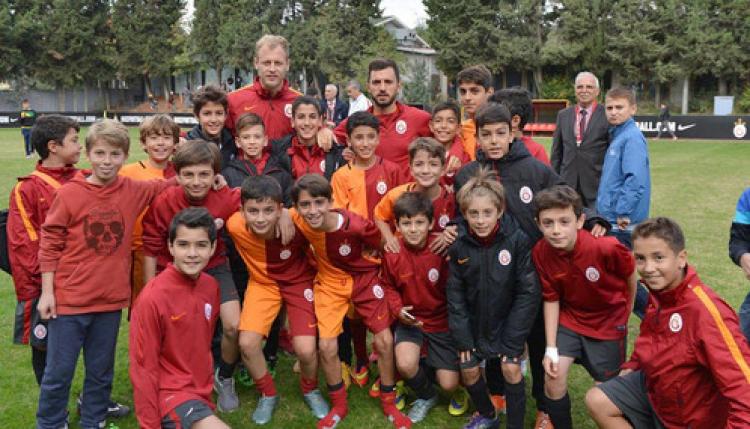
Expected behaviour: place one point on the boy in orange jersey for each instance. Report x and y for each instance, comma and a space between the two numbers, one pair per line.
279, 274
159, 135
345, 274
85, 239
445, 125
427, 164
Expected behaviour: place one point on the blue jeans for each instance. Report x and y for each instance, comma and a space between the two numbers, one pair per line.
27, 140
641, 293
96, 333
744, 315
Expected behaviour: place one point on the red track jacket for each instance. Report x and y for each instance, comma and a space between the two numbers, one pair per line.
275, 111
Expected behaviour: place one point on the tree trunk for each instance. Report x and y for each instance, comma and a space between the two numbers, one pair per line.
219, 67
60, 98
524, 79
722, 85
147, 82
538, 82
657, 94
685, 94
615, 78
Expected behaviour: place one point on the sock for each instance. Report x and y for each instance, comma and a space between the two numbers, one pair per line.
339, 406
359, 338
515, 404
226, 370
421, 385
38, 362
265, 385
481, 398
306, 385
494, 375
559, 412
388, 402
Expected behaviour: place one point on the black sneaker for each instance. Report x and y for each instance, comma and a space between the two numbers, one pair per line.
114, 410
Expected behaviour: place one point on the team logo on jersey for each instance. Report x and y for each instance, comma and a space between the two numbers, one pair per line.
526, 195
40, 331
219, 222
433, 275
345, 250
592, 274
288, 110
443, 220
308, 294
675, 322
381, 187
285, 254
401, 126
207, 311
504, 257
323, 165
378, 292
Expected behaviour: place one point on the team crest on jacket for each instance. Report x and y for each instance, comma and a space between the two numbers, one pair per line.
443, 220
308, 294
40, 331
675, 322
345, 250
285, 254
378, 292
381, 187
526, 194
433, 275
288, 110
592, 274
207, 311
401, 126
504, 257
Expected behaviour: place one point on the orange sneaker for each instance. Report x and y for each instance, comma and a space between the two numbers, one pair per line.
543, 421
361, 376
375, 389
499, 402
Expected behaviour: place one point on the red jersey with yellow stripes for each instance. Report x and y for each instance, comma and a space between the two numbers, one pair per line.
359, 190
695, 358
443, 206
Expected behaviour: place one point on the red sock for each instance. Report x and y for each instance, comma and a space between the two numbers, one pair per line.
388, 402
339, 408
359, 338
265, 385
306, 385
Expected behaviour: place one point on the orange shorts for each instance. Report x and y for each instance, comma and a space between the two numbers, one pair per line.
263, 303
366, 296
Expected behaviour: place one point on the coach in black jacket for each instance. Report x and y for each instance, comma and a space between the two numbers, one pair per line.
578, 152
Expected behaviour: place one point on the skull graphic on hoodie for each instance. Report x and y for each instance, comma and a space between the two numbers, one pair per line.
104, 229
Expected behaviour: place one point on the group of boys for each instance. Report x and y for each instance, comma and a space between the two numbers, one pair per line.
461, 267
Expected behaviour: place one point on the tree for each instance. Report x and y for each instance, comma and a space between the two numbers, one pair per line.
418, 90
204, 34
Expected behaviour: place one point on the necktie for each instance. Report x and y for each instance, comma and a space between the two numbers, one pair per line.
582, 126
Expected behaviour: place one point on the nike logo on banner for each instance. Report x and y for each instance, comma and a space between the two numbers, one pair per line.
462, 261
685, 127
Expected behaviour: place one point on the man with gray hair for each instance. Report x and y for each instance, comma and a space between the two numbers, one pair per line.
358, 102
581, 139
335, 109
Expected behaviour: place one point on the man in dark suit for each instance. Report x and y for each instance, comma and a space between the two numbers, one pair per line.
581, 139
335, 109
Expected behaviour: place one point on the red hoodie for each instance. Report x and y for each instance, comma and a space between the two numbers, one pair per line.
306, 159
695, 358
276, 110
29, 203
86, 240
170, 344
536, 150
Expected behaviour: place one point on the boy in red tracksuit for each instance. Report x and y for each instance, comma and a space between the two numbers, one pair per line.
588, 286
83, 257
55, 138
170, 339
414, 281
691, 364
196, 164
445, 126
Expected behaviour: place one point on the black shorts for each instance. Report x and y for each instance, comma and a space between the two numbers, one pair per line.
441, 354
601, 358
629, 394
186, 414
223, 275
28, 326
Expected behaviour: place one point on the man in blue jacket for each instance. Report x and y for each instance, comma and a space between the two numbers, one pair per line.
335, 109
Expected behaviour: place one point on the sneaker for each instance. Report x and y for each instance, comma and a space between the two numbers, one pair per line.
479, 421
459, 402
346, 377
499, 402
375, 389
421, 407
543, 421
330, 421
317, 404
264, 410
226, 400
243, 377
361, 376
115, 410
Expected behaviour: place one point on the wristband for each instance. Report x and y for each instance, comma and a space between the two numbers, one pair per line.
551, 353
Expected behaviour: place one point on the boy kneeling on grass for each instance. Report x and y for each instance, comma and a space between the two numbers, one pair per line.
690, 364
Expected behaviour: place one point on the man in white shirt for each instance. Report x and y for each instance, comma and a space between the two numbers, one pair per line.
357, 100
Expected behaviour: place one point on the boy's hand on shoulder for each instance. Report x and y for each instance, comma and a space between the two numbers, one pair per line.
453, 165
46, 306
623, 222
598, 230
407, 319
285, 228
347, 154
446, 238
465, 355
325, 139
219, 182
625, 371
391, 244
745, 264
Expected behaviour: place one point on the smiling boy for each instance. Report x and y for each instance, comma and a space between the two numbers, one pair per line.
210, 109
474, 88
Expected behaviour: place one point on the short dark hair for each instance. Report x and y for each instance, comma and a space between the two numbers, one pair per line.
427, 144
261, 188
362, 119
209, 93
518, 102
558, 197
51, 127
491, 113
662, 228
621, 92
195, 152
411, 204
193, 218
249, 120
306, 101
314, 184
312, 92
382, 64
478, 74
447, 105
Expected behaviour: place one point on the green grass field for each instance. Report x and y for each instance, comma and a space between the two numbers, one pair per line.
695, 182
